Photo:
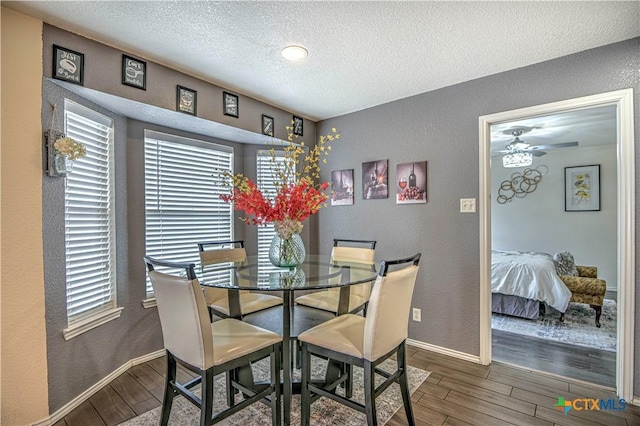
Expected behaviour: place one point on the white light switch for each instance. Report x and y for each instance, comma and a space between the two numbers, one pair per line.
467, 205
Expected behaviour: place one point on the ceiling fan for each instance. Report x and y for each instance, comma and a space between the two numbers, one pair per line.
518, 145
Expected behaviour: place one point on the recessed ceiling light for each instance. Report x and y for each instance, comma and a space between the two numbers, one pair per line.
294, 53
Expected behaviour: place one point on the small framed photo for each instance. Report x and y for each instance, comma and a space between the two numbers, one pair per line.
230, 104
297, 126
267, 125
342, 187
582, 188
411, 183
374, 180
68, 65
134, 72
186, 100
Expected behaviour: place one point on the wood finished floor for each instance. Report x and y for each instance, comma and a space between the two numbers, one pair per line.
456, 393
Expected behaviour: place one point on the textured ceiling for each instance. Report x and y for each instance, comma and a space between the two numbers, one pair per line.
362, 54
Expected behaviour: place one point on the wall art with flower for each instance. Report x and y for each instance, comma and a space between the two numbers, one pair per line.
582, 188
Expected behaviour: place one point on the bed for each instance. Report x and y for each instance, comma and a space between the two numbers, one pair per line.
521, 280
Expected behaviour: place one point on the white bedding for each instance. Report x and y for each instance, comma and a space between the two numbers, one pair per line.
530, 275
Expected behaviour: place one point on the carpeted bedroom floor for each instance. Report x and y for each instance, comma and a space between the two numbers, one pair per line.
578, 327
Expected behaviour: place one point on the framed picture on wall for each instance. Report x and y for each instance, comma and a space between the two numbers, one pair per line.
186, 100
68, 65
411, 183
342, 187
134, 72
582, 188
374, 180
230, 104
267, 125
297, 125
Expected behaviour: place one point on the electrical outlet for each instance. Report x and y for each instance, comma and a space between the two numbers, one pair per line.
417, 314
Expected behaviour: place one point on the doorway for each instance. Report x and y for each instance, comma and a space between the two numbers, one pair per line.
625, 191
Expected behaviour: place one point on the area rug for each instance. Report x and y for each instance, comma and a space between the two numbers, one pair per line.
578, 327
323, 412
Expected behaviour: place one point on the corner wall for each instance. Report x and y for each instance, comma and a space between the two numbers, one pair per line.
24, 363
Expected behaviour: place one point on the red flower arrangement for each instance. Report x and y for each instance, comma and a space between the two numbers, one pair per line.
297, 197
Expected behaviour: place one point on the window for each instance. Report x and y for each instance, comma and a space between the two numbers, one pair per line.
182, 196
267, 185
89, 223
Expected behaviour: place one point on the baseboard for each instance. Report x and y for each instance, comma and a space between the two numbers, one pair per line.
444, 351
75, 403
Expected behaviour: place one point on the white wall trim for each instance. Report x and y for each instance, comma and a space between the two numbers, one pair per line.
444, 351
149, 303
626, 223
82, 326
75, 403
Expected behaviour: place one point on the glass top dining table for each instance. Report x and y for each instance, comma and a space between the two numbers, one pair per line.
317, 272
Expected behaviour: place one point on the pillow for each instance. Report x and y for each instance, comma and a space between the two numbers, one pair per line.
565, 264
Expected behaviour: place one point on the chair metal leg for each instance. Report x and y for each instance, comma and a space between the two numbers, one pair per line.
169, 392
231, 391
404, 384
348, 392
305, 394
370, 393
206, 411
276, 409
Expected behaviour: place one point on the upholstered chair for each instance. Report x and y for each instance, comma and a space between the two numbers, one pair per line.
206, 348
365, 342
345, 252
586, 288
219, 299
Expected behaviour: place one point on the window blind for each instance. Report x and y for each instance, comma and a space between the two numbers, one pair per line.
89, 216
182, 196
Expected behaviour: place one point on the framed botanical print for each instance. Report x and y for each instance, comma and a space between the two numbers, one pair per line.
582, 188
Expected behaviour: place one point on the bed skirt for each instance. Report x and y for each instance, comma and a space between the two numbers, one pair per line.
515, 306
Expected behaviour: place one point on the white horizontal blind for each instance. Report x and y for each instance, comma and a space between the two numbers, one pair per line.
182, 196
266, 184
89, 216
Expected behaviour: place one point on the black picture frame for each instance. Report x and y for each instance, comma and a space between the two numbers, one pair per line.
134, 72
186, 100
68, 65
297, 126
582, 188
230, 104
267, 125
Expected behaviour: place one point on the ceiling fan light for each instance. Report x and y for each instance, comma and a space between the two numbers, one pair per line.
517, 159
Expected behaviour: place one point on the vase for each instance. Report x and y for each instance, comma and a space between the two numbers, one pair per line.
287, 252
62, 164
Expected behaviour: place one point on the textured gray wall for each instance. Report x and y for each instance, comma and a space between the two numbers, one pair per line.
76, 364
441, 127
